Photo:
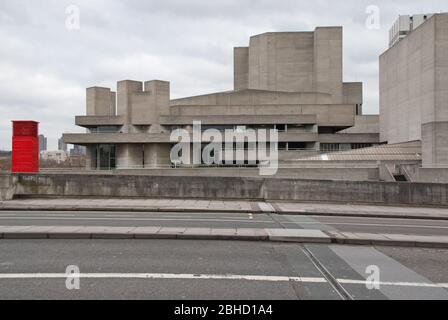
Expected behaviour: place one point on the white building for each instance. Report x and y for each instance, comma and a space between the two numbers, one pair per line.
58, 156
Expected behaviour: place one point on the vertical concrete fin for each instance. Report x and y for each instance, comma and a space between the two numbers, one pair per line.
241, 68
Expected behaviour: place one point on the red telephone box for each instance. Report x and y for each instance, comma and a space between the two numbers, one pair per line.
25, 147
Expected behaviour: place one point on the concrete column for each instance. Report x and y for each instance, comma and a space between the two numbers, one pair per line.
157, 155
129, 156
90, 157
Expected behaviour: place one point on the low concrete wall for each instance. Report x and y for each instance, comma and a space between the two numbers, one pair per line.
310, 173
6, 187
426, 175
232, 188
307, 171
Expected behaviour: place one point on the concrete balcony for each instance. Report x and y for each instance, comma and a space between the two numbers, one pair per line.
349, 138
94, 121
297, 137
119, 138
115, 138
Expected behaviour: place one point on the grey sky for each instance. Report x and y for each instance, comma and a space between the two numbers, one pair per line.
45, 68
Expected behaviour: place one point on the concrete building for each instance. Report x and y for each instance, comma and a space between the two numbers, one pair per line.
42, 143
62, 145
288, 81
414, 91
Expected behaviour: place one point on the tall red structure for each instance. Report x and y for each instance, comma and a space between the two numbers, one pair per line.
25, 147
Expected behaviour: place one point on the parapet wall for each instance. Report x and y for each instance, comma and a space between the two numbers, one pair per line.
84, 185
6, 187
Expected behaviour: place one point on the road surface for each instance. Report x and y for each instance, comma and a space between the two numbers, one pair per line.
181, 269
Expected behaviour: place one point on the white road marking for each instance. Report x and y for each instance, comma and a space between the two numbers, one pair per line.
400, 284
180, 276
188, 276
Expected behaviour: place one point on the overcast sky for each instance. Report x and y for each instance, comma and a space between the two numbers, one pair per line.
45, 67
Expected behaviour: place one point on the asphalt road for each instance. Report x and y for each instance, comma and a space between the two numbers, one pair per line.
225, 220
179, 269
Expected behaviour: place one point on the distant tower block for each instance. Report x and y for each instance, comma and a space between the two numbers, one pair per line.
25, 147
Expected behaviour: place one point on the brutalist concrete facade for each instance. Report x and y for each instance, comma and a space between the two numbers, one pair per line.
289, 81
414, 91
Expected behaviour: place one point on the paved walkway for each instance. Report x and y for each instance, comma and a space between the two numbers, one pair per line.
239, 234
131, 204
362, 210
192, 205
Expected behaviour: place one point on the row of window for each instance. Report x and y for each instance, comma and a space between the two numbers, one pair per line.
278, 127
334, 147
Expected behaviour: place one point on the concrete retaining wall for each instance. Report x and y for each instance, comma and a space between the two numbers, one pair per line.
232, 188
309, 171
6, 187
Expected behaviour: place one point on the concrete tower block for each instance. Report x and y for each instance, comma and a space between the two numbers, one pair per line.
99, 102
281, 61
125, 89
435, 121
160, 90
241, 68
328, 61
147, 107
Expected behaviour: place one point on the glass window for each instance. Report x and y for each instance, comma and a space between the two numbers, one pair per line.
329, 147
296, 145
361, 145
105, 156
104, 129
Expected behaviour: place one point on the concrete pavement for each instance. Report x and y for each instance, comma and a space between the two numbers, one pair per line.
252, 234
224, 221
224, 206
176, 269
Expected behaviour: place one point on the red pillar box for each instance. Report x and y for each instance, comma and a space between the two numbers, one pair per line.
25, 147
